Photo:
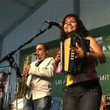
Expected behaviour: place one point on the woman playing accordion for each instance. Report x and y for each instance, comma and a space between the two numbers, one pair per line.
82, 89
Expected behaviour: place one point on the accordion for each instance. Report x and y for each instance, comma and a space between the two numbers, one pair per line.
69, 63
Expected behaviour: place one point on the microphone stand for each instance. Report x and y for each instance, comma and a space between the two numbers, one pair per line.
13, 52
12, 64
8, 88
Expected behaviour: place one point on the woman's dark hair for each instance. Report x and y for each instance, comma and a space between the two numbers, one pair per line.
81, 30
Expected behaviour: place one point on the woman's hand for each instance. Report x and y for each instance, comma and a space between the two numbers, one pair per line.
78, 51
58, 57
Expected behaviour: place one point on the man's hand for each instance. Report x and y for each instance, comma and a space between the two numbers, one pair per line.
26, 69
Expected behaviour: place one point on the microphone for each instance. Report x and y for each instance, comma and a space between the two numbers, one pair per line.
52, 23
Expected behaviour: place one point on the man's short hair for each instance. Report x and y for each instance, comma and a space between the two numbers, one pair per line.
45, 46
